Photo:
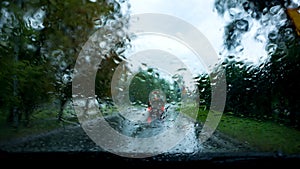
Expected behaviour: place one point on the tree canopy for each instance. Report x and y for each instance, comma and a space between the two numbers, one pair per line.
40, 41
268, 90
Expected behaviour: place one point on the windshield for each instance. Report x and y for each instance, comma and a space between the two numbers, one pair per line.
161, 80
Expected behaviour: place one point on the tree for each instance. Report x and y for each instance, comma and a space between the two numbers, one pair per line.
273, 93
23, 76
40, 41
146, 81
68, 26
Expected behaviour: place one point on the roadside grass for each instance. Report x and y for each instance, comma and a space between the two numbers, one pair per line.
42, 121
189, 110
265, 136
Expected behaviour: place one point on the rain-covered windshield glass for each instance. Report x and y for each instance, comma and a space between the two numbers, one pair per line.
150, 79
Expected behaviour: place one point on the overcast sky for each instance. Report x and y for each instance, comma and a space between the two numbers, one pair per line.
201, 14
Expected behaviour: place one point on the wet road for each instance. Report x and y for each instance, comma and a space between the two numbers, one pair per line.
74, 138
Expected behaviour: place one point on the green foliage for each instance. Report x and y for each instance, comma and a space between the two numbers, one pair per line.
269, 90
146, 81
24, 76
39, 44
105, 74
204, 88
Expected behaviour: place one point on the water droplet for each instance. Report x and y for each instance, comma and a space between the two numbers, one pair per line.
141, 78
116, 61
239, 48
235, 12
231, 56
275, 9
102, 44
271, 48
288, 33
242, 25
63, 65
281, 45
272, 35
181, 69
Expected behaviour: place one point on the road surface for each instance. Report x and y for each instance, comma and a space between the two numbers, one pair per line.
74, 138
